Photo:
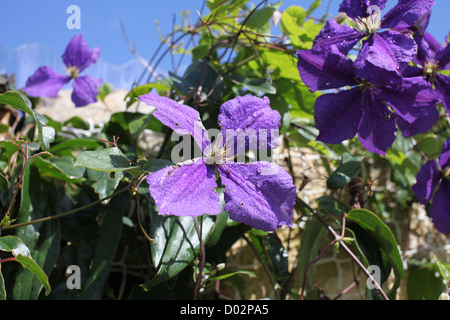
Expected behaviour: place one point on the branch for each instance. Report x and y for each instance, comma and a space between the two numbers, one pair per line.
13, 226
339, 239
138, 57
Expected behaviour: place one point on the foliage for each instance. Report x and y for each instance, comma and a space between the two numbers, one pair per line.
83, 200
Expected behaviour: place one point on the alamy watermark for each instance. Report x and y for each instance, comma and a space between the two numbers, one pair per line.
74, 20
375, 272
74, 280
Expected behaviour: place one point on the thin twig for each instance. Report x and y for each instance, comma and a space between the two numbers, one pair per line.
202, 255
236, 38
138, 57
265, 267
308, 266
13, 226
339, 239
138, 213
20, 178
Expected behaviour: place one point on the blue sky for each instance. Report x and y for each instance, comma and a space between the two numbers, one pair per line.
26, 21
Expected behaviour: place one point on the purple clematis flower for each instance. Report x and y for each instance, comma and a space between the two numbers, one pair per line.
260, 194
45, 82
383, 54
365, 108
432, 57
431, 178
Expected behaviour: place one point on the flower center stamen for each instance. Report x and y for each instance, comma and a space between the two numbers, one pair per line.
219, 153
430, 69
73, 71
372, 23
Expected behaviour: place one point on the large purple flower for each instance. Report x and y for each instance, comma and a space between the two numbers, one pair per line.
45, 82
260, 194
383, 54
430, 178
373, 110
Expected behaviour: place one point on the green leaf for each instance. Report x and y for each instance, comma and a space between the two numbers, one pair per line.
310, 242
51, 169
17, 248
109, 159
161, 86
257, 86
200, 74
105, 182
38, 200
4, 183
177, 243
106, 248
422, 282
153, 165
371, 254
314, 6
104, 90
300, 33
130, 125
278, 257
331, 206
260, 17
347, 170
76, 122
14, 245
402, 160
29, 264
444, 269
66, 147
200, 51
305, 36
431, 146
10, 147
383, 236
292, 19
16, 99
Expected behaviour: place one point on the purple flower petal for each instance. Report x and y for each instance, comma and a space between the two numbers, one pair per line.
444, 159
85, 90
179, 117
377, 128
411, 98
422, 124
440, 208
443, 58
427, 181
188, 190
246, 116
45, 82
358, 8
384, 56
406, 13
325, 71
427, 48
334, 34
259, 194
442, 86
79, 55
337, 115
